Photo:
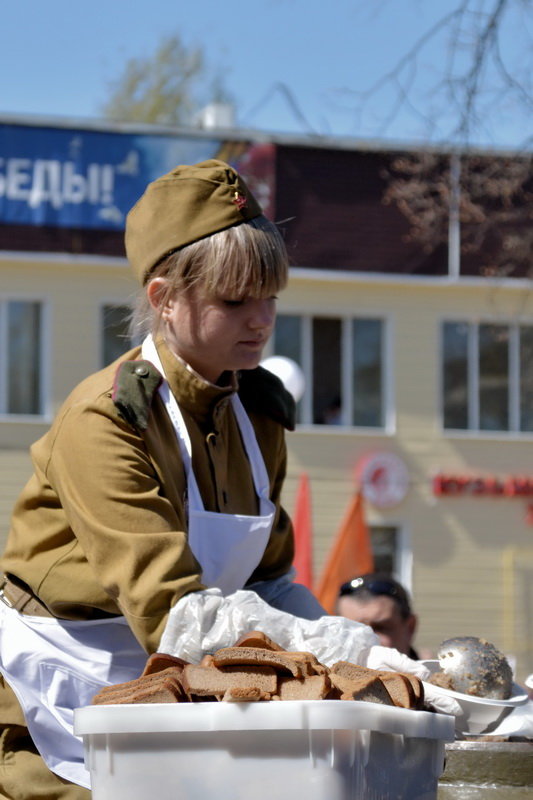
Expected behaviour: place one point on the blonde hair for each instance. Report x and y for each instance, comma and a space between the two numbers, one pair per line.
246, 259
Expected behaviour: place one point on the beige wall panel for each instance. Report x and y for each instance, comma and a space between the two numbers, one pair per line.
15, 469
466, 578
459, 544
20, 435
75, 291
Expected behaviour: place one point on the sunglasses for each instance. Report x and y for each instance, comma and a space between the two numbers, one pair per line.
377, 586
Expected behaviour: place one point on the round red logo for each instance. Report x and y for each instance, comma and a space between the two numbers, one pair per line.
384, 479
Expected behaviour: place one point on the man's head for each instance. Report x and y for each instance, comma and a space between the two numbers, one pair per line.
382, 603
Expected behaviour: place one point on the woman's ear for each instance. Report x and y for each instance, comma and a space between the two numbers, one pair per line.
158, 294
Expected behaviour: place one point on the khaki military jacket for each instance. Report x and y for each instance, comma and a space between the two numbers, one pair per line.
101, 527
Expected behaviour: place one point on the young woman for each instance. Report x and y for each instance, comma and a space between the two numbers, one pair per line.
156, 493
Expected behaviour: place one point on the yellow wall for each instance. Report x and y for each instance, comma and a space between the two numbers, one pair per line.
72, 291
464, 572
460, 547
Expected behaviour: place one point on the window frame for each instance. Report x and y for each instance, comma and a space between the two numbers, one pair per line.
43, 348
473, 394
403, 551
102, 304
386, 354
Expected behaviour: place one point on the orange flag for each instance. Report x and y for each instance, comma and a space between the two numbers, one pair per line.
350, 555
303, 534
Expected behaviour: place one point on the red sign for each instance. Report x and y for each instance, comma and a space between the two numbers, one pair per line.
383, 478
460, 485
480, 486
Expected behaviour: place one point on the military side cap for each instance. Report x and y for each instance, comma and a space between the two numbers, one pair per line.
183, 206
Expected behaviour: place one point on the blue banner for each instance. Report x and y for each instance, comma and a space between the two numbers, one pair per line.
80, 178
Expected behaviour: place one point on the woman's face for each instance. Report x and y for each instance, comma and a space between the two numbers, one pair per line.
214, 334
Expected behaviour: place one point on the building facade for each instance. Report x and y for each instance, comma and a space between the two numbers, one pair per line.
417, 358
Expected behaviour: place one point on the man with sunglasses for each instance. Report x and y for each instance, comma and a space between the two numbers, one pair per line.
379, 601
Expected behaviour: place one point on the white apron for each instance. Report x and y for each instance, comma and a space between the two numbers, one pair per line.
55, 666
228, 546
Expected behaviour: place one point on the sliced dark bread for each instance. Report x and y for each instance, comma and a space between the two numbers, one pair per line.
257, 639
418, 689
174, 673
399, 688
310, 687
309, 663
163, 687
244, 656
366, 688
210, 681
157, 662
240, 695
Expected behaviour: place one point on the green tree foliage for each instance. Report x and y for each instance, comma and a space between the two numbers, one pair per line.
166, 88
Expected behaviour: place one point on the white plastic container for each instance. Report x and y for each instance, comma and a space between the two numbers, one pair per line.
319, 750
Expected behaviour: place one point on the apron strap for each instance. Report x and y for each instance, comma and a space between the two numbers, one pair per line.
251, 446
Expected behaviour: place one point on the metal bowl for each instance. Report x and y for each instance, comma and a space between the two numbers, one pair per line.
475, 667
479, 715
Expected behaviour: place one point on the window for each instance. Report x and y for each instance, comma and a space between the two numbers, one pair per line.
384, 540
288, 343
367, 372
115, 335
487, 378
20, 357
343, 363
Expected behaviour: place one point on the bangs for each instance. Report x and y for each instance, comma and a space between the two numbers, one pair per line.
245, 259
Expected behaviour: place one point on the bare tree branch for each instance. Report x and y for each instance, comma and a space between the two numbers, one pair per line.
475, 71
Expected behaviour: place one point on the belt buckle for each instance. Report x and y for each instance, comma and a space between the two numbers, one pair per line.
3, 597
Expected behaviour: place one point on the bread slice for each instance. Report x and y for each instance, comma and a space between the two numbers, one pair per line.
406, 690
369, 690
240, 695
399, 687
310, 687
127, 688
157, 662
243, 656
347, 669
257, 639
366, 688
161, 687
309, 663
203, 681
163, 691
418, 689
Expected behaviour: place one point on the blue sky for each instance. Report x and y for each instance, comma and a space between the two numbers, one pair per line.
58, 58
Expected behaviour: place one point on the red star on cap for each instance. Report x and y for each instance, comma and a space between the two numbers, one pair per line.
240, 201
